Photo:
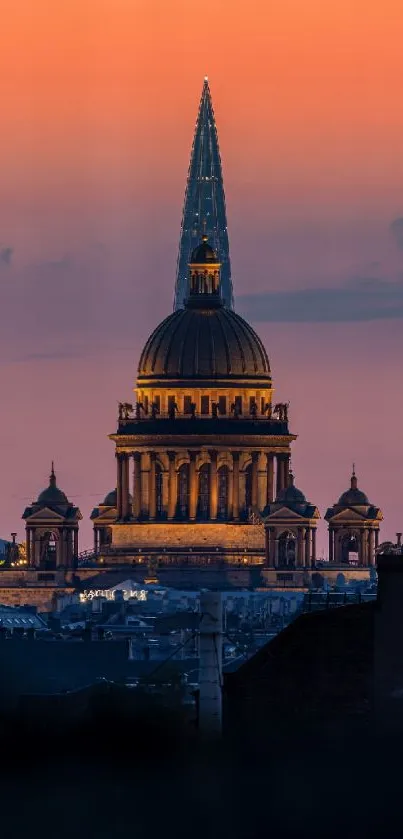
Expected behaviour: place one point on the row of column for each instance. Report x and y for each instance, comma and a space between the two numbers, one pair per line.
367, 545
66, 546
305, 556
123, 483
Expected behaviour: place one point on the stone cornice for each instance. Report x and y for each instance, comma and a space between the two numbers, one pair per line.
224, 441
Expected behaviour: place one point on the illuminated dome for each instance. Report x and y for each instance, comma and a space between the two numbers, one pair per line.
211, 342
203, 253
205, 339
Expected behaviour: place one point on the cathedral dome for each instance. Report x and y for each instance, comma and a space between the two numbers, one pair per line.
290, 495
353, 496
52, 495
198, 342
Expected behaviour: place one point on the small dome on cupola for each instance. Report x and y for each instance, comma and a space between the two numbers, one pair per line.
52, 495
203, 253
353, 496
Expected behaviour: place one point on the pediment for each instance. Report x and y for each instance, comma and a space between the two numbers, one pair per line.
348, 515
45, 515
284, 513
108, 517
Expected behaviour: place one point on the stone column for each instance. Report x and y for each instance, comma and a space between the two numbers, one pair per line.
75, 543
279, 475
376, 539
96, 541
60, 549
33, 547
307, 548
152, 499
371, 548
313, 554
255, 460
363, 549
28, 545
119, 485
192, 486
235, 488
213, 486
267, 545
172, 486
276, 552
136, 498
270, 477
286, 470
301, 544
331, 545
125, 486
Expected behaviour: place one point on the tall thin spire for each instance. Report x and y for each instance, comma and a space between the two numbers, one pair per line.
204, 208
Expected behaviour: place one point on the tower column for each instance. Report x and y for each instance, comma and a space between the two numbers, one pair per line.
270, 477
152, 500
96, 541
235, 487
119, 485
376, 540
125, 485
313, 554
28, 545
301, 545
363, 547
172, 486
286, 470
279, 474
213, 485
255, 459
331, 544
75, 545
60, 549
371, 548
192, 486
136, 499
276, 551
307, 547
33, 547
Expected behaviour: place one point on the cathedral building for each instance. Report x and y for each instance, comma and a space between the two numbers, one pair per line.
204, 492
205, 451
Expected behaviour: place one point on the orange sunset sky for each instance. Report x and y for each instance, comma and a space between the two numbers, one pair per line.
98, 102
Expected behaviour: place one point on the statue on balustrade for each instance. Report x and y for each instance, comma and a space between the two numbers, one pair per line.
125, 410
173, 408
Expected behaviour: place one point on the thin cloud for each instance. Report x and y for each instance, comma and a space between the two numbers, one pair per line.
6, 255
396, 229
362, 299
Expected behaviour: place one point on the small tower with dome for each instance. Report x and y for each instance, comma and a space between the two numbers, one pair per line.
290, 524
51, 527
353, 528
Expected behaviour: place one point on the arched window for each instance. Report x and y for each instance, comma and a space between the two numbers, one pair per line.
204, 491
286, 550
223, 483
183, 491
159, 504
349, 549
48, 551
248, 486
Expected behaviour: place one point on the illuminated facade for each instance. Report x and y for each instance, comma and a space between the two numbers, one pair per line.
204, 451
204, 207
